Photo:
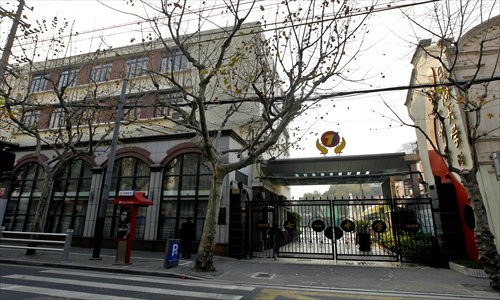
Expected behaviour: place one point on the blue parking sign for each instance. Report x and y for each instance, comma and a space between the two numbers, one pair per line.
173, 253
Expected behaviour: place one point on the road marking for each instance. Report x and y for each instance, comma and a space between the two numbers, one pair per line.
269, 293
61, 293
123, 287
189, 283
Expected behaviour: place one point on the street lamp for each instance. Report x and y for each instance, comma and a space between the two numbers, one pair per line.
101, 213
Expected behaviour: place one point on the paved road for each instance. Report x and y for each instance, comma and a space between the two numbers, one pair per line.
29, 282
21, 282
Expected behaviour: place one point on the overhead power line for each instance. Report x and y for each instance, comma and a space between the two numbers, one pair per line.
310, 99
352, 13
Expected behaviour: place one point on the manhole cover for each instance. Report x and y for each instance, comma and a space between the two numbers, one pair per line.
263, 275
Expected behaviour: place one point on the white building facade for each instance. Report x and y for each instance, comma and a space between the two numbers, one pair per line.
155, 153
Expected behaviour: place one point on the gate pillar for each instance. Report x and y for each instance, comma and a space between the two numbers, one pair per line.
236, 223
388, 188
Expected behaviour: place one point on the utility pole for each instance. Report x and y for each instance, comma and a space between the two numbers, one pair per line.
10, 40
103, 204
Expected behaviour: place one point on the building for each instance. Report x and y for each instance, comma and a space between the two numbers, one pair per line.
477, 47
155, 153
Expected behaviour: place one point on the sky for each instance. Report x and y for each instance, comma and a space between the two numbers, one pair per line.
366, 123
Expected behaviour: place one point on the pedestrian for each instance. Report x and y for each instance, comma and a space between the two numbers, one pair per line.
187, 235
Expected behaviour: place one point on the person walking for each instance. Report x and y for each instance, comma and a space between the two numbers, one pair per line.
187, 235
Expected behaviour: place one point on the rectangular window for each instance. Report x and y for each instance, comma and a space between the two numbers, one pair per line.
137, 66
241, 177
67, 78
173, 61
38, 83
171, 97
56, 118
101, 73
30, 118
131, 110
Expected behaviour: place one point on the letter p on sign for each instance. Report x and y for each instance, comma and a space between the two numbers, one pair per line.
175, 249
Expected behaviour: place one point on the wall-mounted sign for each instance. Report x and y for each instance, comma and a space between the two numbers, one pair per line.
290, 225
411, 226
347, 225
126, 193
450, 128
263, 225
318, 225
379, 226
330, 139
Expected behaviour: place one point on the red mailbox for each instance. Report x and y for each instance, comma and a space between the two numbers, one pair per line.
129, 202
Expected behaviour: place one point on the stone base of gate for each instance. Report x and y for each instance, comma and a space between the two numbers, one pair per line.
479, 273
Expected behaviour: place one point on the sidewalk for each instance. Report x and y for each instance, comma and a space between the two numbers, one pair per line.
415, 280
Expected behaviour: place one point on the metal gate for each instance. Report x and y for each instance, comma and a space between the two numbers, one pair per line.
344, 229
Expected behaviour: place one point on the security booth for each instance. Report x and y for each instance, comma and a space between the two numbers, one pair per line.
129, 202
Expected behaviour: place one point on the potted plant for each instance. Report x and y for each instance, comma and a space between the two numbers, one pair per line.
363, 236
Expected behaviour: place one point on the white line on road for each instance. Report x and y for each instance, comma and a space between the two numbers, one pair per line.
123, 287
189, 283
61, 293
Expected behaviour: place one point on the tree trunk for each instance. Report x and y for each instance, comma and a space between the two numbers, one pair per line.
488, 254
38, 220
204, 261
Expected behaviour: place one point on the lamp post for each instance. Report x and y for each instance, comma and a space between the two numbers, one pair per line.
101, 213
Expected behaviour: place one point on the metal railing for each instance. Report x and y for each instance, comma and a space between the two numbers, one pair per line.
59, 242
368, 229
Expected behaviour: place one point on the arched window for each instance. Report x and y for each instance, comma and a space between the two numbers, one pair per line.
186, 186
24, 197
70, 195
129, 173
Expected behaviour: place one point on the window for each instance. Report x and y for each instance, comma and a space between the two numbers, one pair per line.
56, 118
69, 201
30, 117
240, 177
173, 61
131, 109
67, 78
137, 66
101, 73
129, 173
167, 98
186, 186
38, 83
24, 197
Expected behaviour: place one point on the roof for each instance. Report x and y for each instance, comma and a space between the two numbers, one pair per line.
371, 168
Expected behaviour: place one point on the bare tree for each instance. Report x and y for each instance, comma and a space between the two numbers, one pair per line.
253, 78
41, 109
465, 74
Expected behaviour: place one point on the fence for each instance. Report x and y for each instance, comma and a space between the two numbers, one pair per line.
60, 242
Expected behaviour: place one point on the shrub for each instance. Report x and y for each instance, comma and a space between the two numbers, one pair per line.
418, 244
